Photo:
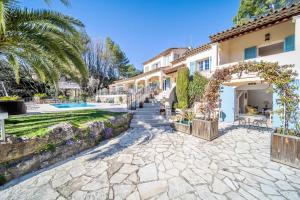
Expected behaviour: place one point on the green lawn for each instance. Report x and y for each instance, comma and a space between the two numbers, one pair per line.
34, 125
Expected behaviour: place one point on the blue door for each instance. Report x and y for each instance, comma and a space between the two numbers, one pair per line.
227, 103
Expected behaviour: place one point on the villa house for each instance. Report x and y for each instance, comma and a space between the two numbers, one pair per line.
156, 77
274, 37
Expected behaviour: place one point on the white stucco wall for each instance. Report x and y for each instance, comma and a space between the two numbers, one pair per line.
296, 21
164, 60
233, 49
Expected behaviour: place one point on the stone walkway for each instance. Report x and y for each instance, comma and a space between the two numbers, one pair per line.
161, 164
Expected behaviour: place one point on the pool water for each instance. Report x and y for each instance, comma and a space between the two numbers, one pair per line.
72, 105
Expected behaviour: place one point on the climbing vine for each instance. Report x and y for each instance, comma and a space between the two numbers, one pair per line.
281, 77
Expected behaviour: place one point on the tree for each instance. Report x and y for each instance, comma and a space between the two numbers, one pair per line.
120, 61
250, 9
105, 62
5, 5
131, 71
27, 86
196, 88
42, 40
182, 85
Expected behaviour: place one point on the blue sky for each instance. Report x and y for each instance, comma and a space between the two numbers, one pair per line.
143, 28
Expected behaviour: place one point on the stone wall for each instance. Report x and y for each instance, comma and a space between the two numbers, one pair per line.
20, 156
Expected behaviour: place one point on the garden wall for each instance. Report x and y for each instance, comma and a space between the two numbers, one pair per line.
20, 156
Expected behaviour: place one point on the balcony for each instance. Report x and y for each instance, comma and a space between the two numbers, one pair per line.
285, 58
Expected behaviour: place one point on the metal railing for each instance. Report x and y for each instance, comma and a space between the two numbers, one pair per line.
133, 99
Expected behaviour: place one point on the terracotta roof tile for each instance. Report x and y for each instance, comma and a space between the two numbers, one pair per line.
173, 69
258, 23
192, 52
166, 52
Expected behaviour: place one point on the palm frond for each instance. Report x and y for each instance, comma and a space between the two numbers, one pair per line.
46, 41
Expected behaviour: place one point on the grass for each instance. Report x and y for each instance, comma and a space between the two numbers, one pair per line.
38, 124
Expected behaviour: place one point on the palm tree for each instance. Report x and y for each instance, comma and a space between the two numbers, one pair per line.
45, 41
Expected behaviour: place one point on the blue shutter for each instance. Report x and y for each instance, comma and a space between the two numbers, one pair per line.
206, 64
227, 95
289, 43
192, 68
168, 83
250, 53
209, 63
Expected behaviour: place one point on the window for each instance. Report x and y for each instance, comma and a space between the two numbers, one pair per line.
155, 65
250, 53
146, 69
271, 49
204, 65
289, 43
166, 84
168, 59
176, 56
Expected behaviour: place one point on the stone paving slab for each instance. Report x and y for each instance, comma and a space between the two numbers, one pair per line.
158, 163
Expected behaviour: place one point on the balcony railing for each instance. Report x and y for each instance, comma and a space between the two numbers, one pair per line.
285, 58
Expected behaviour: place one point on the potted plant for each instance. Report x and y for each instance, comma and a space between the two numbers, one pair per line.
141, 104
39, 97
183, 122
285, 141
12, 105
285, 148
146, 100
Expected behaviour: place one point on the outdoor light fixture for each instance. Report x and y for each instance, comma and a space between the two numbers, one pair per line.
267, 37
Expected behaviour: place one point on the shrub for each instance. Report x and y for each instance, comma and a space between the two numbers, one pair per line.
182, 87
61, 97
196, 88
2, 179
84, 96
41, 95
9, 98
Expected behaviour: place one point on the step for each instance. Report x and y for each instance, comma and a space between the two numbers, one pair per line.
149, 121
149, 108
148, 125
158, 117
147, 112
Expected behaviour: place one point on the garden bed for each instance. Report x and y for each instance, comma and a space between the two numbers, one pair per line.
285, 149
38, 124
19, 155
184, 127
207, 130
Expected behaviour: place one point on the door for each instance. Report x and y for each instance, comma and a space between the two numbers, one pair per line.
227, 95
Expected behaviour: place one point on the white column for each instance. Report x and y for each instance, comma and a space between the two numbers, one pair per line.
296, 20
146, 85
214, 57
135, 86
161, 81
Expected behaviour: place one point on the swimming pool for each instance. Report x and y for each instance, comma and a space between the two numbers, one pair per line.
72, 105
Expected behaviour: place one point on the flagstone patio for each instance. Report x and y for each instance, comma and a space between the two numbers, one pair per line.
160, 164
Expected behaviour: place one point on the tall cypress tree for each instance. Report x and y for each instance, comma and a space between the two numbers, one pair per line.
182, 85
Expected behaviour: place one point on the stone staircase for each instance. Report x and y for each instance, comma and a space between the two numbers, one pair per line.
148, 116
